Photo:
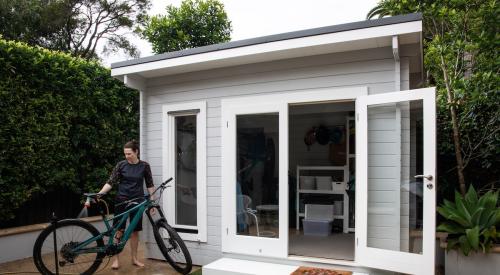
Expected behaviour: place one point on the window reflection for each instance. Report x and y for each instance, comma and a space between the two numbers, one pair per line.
395, 156
257, 175
185, 144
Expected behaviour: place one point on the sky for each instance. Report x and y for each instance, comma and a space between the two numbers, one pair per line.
255, 18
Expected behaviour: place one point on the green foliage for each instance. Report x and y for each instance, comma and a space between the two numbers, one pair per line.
461, 41
194, 24
64, 121
73, 26
471, 222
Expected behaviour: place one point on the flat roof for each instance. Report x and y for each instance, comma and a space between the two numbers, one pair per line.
273, 38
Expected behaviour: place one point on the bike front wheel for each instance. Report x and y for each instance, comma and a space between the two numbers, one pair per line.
69, 234
172, 247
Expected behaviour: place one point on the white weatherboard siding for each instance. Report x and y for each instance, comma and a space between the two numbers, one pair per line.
383, 167
372, 68
388, 170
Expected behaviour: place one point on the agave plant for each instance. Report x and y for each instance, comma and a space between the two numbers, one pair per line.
471, 222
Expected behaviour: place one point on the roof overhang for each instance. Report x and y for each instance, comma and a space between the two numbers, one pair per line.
340, 38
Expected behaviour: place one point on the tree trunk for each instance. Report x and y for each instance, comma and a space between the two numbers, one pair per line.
456, 133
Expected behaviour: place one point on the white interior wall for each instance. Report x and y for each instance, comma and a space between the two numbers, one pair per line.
316, 154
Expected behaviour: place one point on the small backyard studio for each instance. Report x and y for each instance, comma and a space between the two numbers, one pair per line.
314, 147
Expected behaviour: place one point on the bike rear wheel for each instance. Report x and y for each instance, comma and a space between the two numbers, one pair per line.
172, 247
69, 234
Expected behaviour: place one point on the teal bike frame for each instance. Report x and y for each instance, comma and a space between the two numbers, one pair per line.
110, 248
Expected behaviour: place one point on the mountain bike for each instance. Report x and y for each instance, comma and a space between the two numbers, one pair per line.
81, 247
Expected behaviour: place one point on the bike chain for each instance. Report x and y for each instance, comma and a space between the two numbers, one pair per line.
109, 258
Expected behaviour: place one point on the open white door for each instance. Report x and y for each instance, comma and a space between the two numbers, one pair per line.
254, 177
396, 188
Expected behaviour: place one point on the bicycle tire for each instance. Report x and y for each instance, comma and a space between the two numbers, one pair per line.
171, 246
63, 235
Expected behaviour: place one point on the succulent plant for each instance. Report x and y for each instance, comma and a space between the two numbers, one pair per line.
471, 221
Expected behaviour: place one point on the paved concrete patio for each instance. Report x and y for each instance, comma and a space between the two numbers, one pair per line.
156, 267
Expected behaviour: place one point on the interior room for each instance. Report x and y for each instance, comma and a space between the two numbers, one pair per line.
321, 180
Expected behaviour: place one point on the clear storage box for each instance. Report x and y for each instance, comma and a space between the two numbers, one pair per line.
318, 220
317, 227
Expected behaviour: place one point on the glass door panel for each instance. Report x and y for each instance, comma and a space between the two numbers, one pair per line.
395, 168
254, 177
395, 197
257, 162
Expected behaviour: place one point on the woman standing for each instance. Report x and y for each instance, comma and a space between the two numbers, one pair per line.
129, 175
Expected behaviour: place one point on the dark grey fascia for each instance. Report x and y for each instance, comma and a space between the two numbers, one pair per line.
273, 38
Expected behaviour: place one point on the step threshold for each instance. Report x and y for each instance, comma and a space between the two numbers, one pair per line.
228, 266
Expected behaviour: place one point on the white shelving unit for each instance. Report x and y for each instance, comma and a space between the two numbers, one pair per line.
345, 214
350, 155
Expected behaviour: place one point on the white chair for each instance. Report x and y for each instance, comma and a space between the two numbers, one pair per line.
249, 212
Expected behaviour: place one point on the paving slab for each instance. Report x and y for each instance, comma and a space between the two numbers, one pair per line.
152, 267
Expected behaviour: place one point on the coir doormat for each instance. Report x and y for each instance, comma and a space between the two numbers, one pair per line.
318, 271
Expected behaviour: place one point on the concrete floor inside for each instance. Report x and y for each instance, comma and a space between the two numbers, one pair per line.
338, 246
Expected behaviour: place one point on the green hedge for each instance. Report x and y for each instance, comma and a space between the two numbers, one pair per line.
63, 122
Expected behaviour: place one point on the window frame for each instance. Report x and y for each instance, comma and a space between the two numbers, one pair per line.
170, 111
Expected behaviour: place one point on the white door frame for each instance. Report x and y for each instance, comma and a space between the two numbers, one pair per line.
404, 262
269, 247
231, 241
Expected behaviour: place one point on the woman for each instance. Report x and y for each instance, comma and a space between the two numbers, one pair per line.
129, 175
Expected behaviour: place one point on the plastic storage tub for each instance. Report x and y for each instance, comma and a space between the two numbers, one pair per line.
318, 220
317, 227
339, 186
324, 183
307, 183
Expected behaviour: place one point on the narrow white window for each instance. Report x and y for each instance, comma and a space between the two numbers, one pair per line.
184, 159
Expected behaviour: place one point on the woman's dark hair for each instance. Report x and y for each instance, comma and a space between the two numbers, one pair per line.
133, 144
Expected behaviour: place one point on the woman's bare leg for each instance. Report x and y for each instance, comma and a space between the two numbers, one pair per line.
134, 244
116, 261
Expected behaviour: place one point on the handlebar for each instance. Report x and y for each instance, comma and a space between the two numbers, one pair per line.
92, 197
163, 185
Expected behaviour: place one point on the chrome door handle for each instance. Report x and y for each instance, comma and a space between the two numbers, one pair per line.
427, 177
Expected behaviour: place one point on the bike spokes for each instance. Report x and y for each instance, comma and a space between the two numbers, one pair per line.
174, 250
69, 260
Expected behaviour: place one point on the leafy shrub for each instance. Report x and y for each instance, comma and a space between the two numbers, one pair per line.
471, 222
63, 122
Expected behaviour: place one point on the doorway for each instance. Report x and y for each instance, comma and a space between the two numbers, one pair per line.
392, 231
322, 180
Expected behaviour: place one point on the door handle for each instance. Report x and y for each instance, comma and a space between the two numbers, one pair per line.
427, 177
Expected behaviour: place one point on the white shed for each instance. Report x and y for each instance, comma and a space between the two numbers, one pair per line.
255, 132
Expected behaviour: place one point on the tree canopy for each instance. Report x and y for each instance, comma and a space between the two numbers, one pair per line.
194, 24
79, 27
461, 57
